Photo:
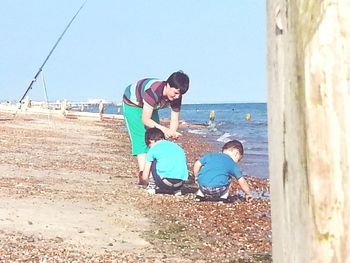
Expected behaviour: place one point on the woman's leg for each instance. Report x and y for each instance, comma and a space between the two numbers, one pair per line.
141, 160
136, 130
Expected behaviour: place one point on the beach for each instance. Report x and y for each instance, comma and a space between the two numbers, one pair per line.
69, 193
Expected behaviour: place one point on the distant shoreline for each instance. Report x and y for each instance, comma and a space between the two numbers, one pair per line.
61, 110
96, 101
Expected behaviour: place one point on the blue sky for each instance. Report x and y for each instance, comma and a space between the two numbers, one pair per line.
221, 45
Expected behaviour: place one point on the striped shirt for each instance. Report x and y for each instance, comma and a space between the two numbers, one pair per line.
149, 91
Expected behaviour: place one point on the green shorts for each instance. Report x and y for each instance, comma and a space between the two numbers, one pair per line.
136, 129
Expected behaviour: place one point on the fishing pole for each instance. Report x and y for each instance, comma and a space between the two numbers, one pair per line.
48, 56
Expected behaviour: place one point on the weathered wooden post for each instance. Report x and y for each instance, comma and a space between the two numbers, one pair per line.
309, 129
101, 109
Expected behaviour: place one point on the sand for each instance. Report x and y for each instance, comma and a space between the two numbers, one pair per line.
56, 184
69, 194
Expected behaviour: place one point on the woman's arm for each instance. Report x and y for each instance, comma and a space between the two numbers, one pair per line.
147, 111
174, 121
174, 124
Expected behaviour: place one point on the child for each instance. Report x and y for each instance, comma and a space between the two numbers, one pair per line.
214, 172
166, 162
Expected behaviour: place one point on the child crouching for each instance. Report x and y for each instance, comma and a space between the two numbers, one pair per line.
214, 173
165, 170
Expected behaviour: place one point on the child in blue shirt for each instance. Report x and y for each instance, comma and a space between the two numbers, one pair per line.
165, 162
214, 173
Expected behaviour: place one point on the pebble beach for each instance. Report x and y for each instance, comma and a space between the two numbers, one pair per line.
69, 193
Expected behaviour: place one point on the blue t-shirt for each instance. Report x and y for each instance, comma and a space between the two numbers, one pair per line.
217, 170
171, 160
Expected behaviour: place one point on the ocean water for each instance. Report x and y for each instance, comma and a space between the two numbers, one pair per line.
230, 123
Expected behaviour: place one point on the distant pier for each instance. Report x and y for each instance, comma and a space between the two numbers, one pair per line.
62, 108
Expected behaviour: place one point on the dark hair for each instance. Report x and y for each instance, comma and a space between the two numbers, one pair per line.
234, 144
153, 134
179, 80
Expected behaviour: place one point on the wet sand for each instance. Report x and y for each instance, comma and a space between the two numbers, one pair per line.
69, 193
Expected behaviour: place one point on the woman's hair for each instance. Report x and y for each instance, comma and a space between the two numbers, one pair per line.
234, 144
153, 134
179, 80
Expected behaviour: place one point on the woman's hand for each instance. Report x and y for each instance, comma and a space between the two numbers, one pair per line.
175, 135
171, 134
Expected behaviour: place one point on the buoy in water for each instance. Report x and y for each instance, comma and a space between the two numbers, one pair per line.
211, 120
212, 115
248, 117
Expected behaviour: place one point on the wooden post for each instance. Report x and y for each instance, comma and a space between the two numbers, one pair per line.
309, 129
101, 109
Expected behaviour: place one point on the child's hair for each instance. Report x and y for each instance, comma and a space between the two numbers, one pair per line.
234, 144
179, 80
153, 134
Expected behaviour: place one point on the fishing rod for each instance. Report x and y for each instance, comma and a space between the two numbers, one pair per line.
48, 56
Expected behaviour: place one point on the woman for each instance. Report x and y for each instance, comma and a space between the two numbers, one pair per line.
141, 102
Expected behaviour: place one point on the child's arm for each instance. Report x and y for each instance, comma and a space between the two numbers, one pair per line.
196, 168
146, 173
245, 187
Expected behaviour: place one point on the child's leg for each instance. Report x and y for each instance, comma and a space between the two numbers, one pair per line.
200, 193
151, 182
225, 194
213, 193
165, 185
155, 175
151, 188
172, 186
199, 196
226, 191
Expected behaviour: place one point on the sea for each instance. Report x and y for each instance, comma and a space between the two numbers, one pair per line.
246, 122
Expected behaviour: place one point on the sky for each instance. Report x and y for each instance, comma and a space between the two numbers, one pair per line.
220, 44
